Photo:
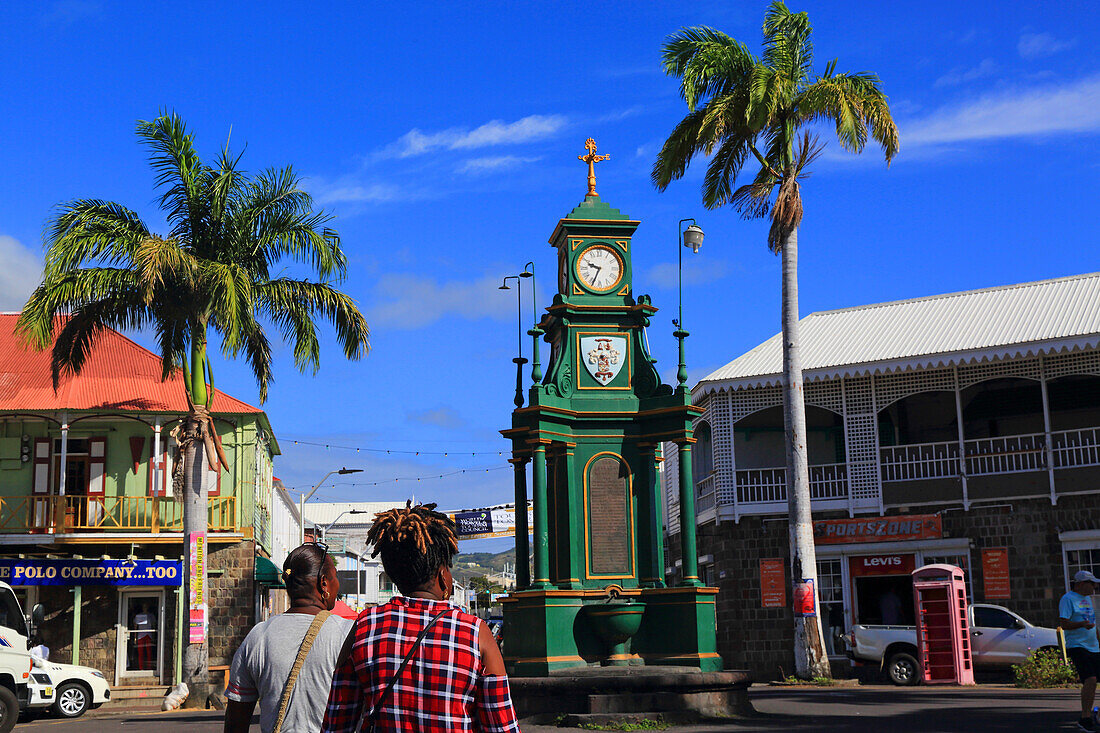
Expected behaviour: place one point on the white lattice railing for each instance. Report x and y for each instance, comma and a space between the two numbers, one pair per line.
991, 456
768, 485
919, 461
1074, 448
705, 493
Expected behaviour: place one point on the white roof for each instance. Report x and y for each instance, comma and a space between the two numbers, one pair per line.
1013, 320
323, 513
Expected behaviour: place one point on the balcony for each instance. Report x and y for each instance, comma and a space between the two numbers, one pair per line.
705, 493
107, 514
990, 456
768, 486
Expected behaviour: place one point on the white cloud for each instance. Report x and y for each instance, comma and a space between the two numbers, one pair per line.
494, 132
1066, 108
962, 74
354, 193
1041, 45
478, 166
68, 12
442, 417
413, 301
20, 273
699, 271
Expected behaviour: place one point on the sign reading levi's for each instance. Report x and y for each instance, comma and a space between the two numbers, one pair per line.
878, 529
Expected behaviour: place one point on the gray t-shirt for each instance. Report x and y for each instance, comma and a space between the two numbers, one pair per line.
262, 665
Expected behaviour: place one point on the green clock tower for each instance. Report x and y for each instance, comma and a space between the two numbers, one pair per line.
592, 431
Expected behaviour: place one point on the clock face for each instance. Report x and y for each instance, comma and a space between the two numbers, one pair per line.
600, 268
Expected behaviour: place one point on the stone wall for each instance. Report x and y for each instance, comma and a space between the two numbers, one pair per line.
232, 599
761, 639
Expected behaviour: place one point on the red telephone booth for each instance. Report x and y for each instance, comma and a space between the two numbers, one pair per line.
943, 633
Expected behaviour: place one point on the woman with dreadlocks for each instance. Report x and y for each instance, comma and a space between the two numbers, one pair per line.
419, 663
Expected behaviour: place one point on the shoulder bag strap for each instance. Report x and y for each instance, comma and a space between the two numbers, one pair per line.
303, 652
374, 713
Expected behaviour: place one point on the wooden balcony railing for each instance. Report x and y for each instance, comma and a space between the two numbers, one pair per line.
154, 514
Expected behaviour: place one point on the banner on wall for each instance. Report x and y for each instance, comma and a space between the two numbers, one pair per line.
477, 524
197, 588
995, 574
773, 589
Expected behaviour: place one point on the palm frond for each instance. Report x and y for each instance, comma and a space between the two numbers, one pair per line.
708, 62
788, 45
289, 302
856, 105
89, 230
723, 170
682, 145
80, 331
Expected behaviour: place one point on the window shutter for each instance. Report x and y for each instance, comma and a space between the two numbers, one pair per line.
160, 485
43, 447
97, 466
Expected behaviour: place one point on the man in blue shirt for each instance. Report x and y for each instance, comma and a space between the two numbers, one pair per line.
1078, 619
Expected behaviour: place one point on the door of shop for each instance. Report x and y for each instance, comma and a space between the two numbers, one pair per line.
882, 589
139, 650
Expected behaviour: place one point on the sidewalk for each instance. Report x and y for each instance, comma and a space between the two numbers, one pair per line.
889, 709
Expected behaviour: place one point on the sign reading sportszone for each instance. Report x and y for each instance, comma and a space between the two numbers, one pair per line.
877, 529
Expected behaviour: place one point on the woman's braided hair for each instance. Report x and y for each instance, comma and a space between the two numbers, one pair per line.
415, 542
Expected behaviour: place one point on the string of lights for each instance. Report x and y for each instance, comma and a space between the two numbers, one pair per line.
396, 451
396, 479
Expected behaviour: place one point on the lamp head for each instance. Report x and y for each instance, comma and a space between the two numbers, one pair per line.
693, 237
504, 286
346, 471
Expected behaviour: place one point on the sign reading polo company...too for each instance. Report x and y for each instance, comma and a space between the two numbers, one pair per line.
877, 529
36, 571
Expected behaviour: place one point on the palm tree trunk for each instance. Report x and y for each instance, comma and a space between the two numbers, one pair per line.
195, 656
810, 659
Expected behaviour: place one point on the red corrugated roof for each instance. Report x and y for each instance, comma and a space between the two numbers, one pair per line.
118, 376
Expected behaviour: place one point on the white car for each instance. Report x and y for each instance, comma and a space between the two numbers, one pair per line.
68, 690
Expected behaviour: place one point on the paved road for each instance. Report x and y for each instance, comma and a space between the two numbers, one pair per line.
847, 710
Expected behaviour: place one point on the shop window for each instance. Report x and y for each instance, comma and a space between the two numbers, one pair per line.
1083, 559
707, 575
384, 583
830, 591
959, 561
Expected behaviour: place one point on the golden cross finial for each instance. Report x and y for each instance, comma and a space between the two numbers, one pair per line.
591, 158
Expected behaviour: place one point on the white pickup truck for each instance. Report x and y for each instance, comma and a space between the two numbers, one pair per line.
998, 638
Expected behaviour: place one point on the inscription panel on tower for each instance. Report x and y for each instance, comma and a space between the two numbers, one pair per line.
609, 531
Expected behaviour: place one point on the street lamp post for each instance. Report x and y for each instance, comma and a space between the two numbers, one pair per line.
519, 360
690, 237
535, 332
330, 525
305, 498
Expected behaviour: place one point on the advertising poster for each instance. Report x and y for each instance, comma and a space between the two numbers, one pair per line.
773, 590
804, 599
478, 524
995, 576
197, 586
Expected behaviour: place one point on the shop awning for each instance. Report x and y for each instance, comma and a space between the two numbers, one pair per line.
268, 573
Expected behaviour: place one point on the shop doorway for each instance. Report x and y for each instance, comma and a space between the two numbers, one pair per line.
140, 644
882, 589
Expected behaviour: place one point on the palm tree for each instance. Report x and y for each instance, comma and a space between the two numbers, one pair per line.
741, 108
212, 271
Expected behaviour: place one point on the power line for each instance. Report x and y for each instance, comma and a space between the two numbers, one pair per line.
396, 451
409, 478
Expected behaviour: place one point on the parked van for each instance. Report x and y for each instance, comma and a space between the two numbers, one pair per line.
15, 659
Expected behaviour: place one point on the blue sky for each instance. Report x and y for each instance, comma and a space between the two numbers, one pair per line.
444, 139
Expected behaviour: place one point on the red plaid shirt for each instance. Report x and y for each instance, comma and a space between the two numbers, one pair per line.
441, 689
